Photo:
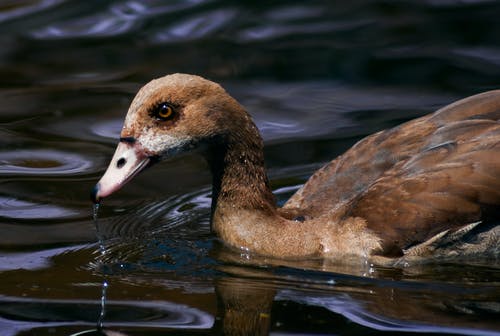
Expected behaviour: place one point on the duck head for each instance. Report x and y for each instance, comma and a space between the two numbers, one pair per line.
168, 116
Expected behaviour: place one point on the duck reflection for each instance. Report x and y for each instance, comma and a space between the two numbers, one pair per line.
375, 298
243, 307
256, 297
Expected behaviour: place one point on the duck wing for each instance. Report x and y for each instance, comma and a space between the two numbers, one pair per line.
436, 173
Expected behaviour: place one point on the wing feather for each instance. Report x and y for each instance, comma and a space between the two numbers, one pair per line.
436, 173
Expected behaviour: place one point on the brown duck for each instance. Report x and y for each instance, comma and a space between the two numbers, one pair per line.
427, 188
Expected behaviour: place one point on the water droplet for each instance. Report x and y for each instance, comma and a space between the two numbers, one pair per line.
102, 314
95, 215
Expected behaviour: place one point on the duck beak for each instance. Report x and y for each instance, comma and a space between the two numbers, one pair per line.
129, 159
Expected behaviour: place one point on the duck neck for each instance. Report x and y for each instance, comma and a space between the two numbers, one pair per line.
239, 177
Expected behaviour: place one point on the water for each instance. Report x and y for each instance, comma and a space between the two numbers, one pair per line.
316, 77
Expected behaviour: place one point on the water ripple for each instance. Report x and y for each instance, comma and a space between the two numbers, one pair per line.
155, 7
87, 129
308, 109
20, 10
490, 56
159, 236
19, 209
100, 25
275, 31
195, 27
58, 313
115, 20
295, 12
43, 162
108, 129
179, 216
33, 260
356, 312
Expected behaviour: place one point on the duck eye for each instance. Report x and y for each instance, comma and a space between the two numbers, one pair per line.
163, 111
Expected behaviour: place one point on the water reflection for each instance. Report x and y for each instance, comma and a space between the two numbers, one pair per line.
33, 260
254, 301
375, 302
383, 299
59, 314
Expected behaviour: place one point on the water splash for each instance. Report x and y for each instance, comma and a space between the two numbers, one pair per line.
100, 237
102, 249
102, 314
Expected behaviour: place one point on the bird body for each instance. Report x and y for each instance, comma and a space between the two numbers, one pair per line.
429, 187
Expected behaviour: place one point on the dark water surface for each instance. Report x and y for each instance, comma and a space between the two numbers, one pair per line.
315, 75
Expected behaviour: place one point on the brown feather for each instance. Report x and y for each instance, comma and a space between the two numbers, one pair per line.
435, 173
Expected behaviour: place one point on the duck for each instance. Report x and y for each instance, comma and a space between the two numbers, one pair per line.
429, 187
